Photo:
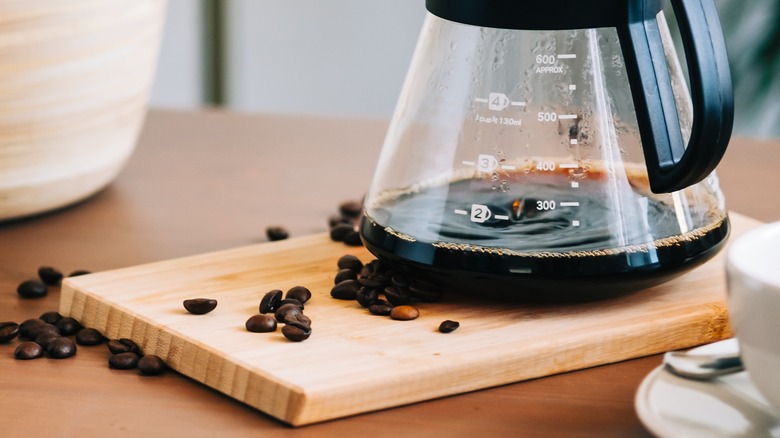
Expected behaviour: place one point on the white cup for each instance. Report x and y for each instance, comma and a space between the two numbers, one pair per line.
753, 271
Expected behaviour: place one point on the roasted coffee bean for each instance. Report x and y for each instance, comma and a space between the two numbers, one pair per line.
124, 345
296, 333
404, 313
50, 317
116, 347
335, 220
380, 307
270, 301
276, 233
285, 311
290, 301
28, 350
123, 361
50, 276
68, 326
45, 338
353, 239
299, 293
200, 306
426, 292
262, 323
79, 273
348, 261
346, 290
32, 289
351, 209
8, 331
374, 281
397, 295
448, 326
32, 328
366, 296
298, 319
89, 336
375, 267
61, 348
151, 365
345, 274
340, 232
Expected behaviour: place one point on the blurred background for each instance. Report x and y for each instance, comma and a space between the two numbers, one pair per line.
349, 57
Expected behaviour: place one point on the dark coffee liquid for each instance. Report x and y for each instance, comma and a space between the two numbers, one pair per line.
545, 240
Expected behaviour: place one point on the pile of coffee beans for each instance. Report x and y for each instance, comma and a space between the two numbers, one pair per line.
277, 307
343, 227
55, 336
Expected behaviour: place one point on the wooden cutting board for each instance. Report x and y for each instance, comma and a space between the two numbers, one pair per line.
356, 362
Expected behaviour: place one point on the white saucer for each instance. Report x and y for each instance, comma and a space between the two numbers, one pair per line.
729, 406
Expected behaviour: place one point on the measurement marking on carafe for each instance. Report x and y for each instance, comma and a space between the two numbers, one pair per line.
508, 167
501, 217
567, 117
468, 163
575, 185
569, 204
518, 103
575, 223
568, 166
572, 87
567, 56
462, 212
480, 100
574, 141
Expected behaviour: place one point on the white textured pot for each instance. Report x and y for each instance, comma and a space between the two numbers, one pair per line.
75, 77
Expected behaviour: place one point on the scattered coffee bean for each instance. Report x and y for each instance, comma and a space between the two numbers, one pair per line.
32, 328
79, 273
298, 319
8, 331
32, 289
404, 313
285, 311
290, 301
89, 337
270, 301
353, 239
50, 276
299, 293
366, 296
381, 308
200, 306
348, 261
448, 326
61, 348
262, 323
351, 209
45, 338
116, 347
50, 317
28, 350
123, 361
68, 326
296, 333
151, 365
276, 233
345, 274
346, 290
397, 295
340, 232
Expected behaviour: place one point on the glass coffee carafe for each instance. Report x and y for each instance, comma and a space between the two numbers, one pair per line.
554, 150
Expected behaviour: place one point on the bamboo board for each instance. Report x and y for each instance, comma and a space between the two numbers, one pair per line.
355, 362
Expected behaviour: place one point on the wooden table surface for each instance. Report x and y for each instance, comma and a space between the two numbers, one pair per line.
209, 180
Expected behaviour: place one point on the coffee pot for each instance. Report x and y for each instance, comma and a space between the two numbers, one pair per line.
550, 150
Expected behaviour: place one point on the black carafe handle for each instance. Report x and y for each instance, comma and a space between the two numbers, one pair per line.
671, 165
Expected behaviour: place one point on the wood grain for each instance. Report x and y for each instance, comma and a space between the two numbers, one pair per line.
356, 362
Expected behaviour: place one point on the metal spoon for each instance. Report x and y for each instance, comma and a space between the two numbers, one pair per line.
702, 366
